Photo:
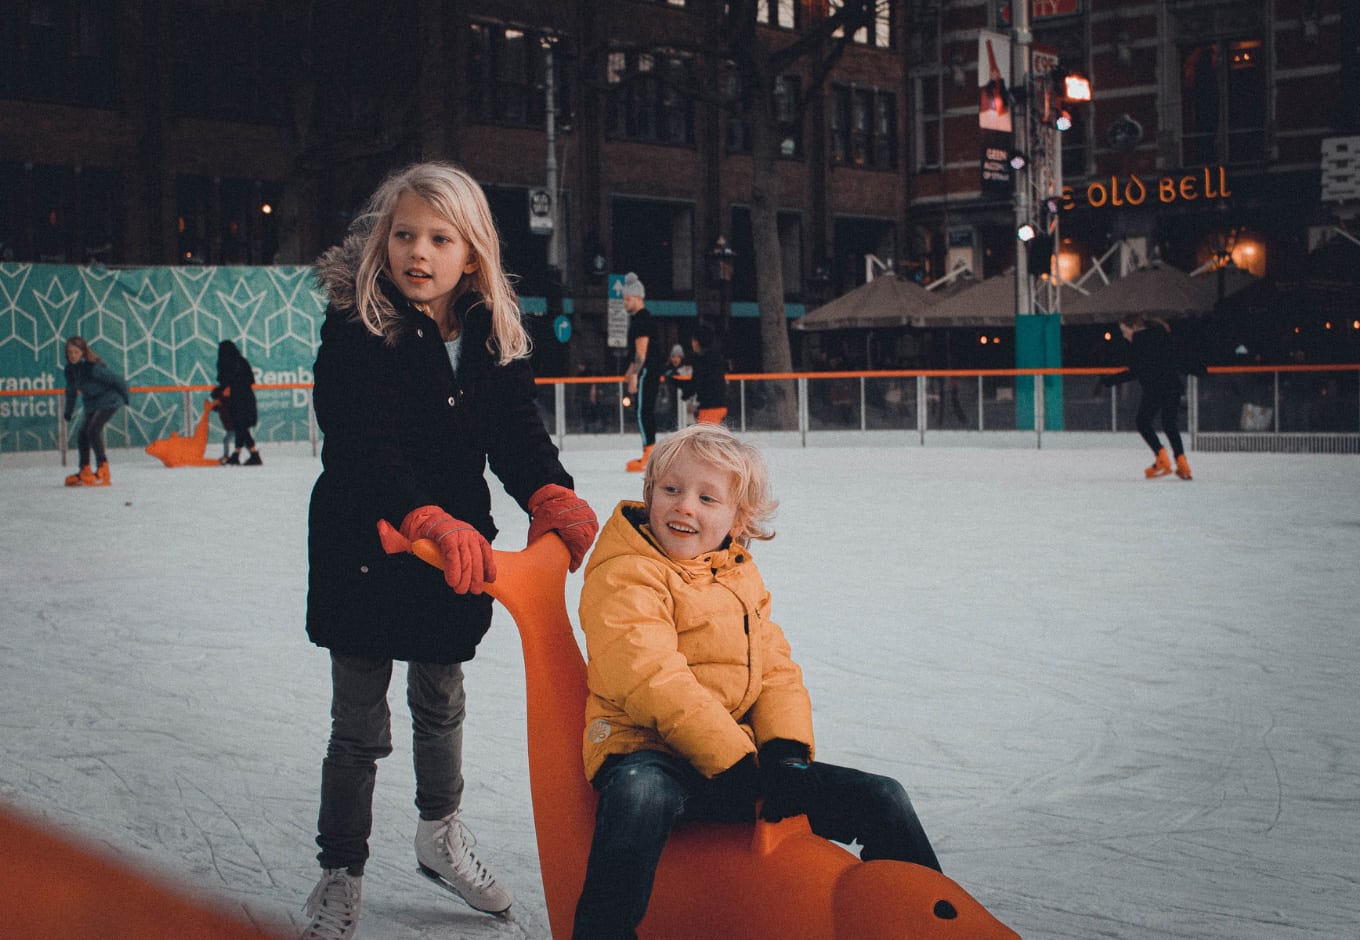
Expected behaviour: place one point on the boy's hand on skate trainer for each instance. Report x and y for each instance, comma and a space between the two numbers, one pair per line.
468, 561
788, 785
555, 508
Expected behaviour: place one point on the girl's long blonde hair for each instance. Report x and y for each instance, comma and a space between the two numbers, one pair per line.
456, 196
718, 447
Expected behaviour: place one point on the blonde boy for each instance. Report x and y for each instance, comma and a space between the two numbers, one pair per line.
696, 709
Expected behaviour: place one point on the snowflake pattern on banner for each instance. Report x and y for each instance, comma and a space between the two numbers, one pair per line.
160, 328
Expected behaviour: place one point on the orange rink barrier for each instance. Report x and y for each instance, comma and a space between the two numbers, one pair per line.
714, 880
53, 889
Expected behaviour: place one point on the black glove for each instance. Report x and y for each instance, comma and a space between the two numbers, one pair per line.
788, 785
741, 781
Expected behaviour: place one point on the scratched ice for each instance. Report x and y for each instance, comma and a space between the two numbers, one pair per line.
1125, 709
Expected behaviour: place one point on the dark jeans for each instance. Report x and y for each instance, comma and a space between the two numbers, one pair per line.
361, 733
649, 386
91, 436
644, 794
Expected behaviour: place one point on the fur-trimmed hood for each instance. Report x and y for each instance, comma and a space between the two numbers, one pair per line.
338, 268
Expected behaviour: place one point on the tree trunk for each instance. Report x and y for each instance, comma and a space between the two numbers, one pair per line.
769, 260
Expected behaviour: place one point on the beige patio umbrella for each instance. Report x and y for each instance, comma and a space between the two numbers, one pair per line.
886, 301
1158, 290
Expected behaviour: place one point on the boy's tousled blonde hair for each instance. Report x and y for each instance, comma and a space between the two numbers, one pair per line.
456, 196
715, 445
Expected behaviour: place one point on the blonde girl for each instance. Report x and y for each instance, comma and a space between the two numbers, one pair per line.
422, 383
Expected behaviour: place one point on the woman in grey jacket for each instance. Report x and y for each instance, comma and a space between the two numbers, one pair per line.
104, 391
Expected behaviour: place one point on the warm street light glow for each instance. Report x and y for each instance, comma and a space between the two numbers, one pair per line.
1076, 87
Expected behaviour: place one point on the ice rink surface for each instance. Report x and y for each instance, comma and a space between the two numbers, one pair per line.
1123, 708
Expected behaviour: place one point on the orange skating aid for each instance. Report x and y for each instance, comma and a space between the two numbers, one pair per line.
177, 451
715, 879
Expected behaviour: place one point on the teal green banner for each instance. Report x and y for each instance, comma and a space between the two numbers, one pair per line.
157, 327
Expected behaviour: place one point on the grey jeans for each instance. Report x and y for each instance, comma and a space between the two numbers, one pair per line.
361, 734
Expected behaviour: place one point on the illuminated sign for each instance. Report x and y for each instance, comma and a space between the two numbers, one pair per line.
1207, 184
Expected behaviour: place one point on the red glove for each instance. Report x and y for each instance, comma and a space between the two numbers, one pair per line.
468, 561
555, 508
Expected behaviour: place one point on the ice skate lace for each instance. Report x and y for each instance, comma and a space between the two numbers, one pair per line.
333, 907
455, 842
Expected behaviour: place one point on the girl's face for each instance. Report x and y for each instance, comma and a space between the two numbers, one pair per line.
426, 256
692, 508
73, 353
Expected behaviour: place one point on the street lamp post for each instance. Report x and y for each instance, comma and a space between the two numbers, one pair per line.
721, 257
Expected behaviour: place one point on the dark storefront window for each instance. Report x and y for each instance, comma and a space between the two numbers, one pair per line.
506, 67
59, 214
646, 98
655, 239
790, 250
226, 221
1223, 102
863, 127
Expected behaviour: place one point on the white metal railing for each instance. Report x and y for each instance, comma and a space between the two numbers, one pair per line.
1293, 408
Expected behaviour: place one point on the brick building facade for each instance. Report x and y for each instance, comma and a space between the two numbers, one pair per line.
240, 131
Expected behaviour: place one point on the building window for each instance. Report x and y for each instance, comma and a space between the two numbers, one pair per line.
229, 67
781, 13
655, 239
59, 50
506, 67
929, 117
646, 99
744, 262
880, 33
225, 221
863, 127
1223, 102
788, 116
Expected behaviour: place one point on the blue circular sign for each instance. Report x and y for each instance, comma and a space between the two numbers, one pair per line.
562, 328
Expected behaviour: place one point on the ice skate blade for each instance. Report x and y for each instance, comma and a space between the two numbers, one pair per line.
443, 882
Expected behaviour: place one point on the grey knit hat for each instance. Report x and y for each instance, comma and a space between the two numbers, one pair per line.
632, 285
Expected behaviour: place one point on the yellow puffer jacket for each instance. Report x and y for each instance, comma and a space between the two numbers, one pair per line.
683, 657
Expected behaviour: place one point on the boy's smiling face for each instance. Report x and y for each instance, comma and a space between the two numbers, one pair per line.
692, 509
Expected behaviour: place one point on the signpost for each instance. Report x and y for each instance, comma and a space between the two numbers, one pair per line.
540, 212
617, 315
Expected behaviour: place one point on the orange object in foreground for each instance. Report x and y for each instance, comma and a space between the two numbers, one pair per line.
715, 880
177, 451
52, 889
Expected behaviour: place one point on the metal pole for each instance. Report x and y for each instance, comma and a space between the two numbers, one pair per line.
555, 237
1020, 61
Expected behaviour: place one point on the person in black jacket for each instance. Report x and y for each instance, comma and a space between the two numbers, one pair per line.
235, 397
708, 381
1152, 363
422, 381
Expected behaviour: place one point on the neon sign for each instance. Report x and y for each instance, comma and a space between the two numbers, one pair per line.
1207, 184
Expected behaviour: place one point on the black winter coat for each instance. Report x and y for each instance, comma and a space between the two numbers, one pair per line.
708, 381
402, 431
1151, 362
241, 411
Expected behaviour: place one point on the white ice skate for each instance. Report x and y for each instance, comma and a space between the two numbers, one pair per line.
333, 906
444, 853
